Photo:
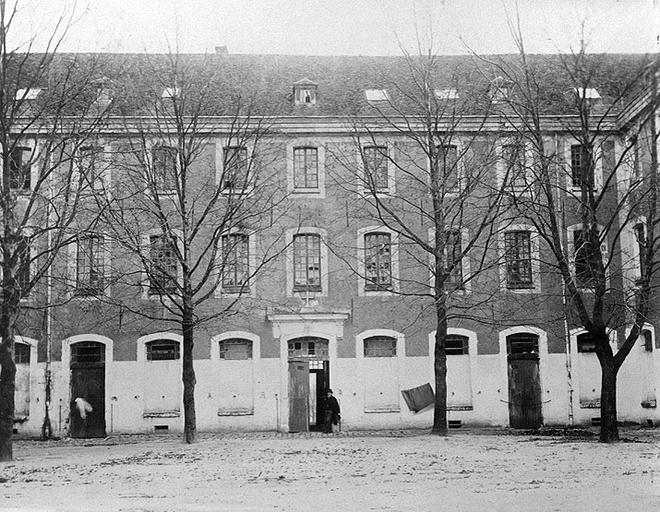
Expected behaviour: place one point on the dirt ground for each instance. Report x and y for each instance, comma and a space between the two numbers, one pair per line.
469, 470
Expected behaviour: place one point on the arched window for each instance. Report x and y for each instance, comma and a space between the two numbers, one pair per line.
87, 352
522, 343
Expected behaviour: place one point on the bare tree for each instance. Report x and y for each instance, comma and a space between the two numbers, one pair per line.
425, 174
590, 178
183, 223
48, 109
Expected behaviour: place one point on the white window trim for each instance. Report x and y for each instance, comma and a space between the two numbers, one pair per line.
252, 264
27, 94
289, 234
446, 94
399, 358
501, 165
377, 95
302, 193
598, 168
364, 191
221, 146
547, 390
465, 262
576, 367
472, 356
570, 247
66, 374
534, 242
72, 267
141, 360
394, 254
145, 248
32, 368
461, 148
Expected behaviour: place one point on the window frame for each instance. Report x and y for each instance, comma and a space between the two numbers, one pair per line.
317, 192
534, 239
154, 179
103, 256
100, 176
222, 167
247, 263
598, 165
148, 348
222, 349
296, 262
374, 290
294, 291
27, 168
604, 245
146, 248
520, 256
381, 351
364, 187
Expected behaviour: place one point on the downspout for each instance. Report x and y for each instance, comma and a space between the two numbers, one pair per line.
564, 301
46, 427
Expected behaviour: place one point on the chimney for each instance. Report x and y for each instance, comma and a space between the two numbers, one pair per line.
222, 50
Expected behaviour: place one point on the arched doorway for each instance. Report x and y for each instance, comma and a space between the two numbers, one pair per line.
309, 378
87, 365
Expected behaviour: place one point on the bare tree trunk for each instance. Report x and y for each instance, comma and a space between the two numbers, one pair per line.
609, 430
189, 380
440, 370
7, 386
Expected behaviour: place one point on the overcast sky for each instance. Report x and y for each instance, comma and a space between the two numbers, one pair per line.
344, 27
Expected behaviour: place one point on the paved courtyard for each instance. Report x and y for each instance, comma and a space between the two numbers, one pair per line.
470, 470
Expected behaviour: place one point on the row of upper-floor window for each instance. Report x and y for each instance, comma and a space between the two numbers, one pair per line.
307, 167
307, 261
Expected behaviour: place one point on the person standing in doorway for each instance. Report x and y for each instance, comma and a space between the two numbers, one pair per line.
332, 411
83, 407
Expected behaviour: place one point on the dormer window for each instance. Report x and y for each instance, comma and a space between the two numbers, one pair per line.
304, 92
376, 95
499, 90
171, 92
587, 93
104, 97
27, 94
446, 94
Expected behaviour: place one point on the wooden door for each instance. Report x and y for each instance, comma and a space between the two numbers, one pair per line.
524, 391
88, 382
298, 396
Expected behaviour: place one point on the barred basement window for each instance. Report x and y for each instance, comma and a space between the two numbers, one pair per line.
586, 343
523, 343
380, 346
87, 352
21, 353
162, 350
456, 345
236, 349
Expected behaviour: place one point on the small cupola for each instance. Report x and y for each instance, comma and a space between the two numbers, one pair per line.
304, 92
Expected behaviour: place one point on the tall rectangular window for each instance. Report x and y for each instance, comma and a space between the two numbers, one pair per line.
24, 258
163, 265
305, 168
307, 262
20, 168
518, 256
583, 253
514, 160
375, 167
90, 265
378, 261
235, 262
235, 168
89, 166
453, 260
448, 166
164, 168
579, 164
640, 236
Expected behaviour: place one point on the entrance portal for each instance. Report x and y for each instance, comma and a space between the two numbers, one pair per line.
88, 383
309, 378
524, 381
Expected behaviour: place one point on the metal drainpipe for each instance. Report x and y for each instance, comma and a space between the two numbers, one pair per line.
567, 333
46, 428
